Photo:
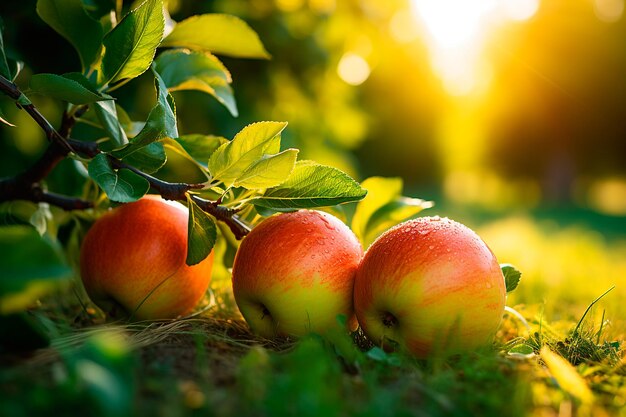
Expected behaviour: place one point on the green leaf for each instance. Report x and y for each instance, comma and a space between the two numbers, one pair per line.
131, 45
232, 159
512, 276
161, 121
380, 191
219, 34
106, 111
148, 159
123, 186
72, 87
196, 147
25, 213
269, 171
311, 185
391, 214
5, 70
70, 20
201, 232
31, 266
186, 70
98, 8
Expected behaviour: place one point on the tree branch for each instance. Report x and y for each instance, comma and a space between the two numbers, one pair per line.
27, 185
224, 214
11, 90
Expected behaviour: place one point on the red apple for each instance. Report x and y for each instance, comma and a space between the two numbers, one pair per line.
134, 257
294, 273
430, 285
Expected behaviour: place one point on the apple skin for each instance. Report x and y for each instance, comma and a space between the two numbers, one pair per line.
432, 286
294, 273
138, 248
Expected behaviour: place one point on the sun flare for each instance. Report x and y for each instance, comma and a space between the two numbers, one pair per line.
456, 32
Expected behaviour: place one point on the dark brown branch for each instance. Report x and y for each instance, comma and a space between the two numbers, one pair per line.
168, 190
224, 214
178, 190
14, 189
11, 90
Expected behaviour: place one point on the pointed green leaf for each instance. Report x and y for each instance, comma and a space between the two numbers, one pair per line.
161, 121
380, 191
230, 160
72, 87
311, 185
131, 45
106, 112
512, 276
70, 20
31, 264
217, 33
269, 171
148, 159
196, 147
201, 232
123, 186
186, 70
391, 214
5, 70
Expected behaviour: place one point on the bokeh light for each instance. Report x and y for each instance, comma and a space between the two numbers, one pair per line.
609, 10
353, 69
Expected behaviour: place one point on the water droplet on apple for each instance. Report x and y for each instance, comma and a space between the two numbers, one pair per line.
435, 219
424, 232
431, 247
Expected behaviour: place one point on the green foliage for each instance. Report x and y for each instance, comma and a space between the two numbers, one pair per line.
202, 234
219, 34
196, 147
106, 112
311, 185
131, 45
231, 160
161, 121
70, 20
123, 185
31, 265
269, 171
201, 71
383, 207
512, 276
72, 87
7, 70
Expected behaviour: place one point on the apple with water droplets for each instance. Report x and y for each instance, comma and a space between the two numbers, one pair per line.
132, 261
294, 273
430, 286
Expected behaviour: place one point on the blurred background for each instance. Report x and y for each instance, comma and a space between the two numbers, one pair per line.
509, 114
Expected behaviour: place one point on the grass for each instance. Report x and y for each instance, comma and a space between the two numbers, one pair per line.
568, 361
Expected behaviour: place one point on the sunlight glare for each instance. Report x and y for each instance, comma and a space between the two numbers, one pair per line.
453, 23
520, 10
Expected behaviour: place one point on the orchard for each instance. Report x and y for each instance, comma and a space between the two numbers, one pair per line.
211, 208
